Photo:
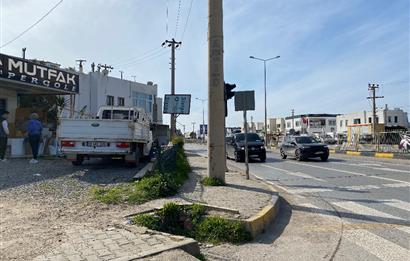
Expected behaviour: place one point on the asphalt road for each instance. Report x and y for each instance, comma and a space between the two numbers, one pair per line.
369, 197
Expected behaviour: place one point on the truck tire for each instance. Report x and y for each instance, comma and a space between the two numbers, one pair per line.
78, 161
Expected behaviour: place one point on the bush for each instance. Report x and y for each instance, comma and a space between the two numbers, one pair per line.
178, 141
217, 229
211, 181
161, 183
149, 221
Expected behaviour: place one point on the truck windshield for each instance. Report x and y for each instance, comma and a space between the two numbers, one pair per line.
117, 114
250, 136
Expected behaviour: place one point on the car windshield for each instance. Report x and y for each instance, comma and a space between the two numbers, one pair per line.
250, 136
305, 140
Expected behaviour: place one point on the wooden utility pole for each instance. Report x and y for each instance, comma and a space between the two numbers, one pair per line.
372, 88
173, 45
216, 104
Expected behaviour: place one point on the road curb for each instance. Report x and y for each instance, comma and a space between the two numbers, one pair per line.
257, 224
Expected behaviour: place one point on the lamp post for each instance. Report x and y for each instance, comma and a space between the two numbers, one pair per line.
203, 118
264, 75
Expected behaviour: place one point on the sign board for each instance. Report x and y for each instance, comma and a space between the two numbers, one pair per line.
177, 103
37, 75
245, 101
203, 128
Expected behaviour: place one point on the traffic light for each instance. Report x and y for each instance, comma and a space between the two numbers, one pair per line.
228, 95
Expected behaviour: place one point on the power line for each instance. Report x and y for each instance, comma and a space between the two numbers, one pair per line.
187, 19
28, 29
177, 20
146, 60
140, 58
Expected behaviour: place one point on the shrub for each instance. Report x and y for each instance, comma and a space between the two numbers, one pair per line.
211, 181
178, 141
217, 229
149, 221
197, 212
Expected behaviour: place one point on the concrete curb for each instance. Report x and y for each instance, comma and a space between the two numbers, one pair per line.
385, 155
140, 174
258, 223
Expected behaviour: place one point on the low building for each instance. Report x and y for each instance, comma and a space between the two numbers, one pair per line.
277, 126
392, 119
99, 89
260, 126
318, 124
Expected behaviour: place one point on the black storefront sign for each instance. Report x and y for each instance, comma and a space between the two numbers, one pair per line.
35, 74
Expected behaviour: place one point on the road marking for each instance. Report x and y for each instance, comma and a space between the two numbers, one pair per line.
384, 155
393, 170
297, 174
374, 244
350, 172
398, 204
353, 153
371, 166
366, 211
396, 185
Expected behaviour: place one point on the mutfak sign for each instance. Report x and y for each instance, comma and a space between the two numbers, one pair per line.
30, 73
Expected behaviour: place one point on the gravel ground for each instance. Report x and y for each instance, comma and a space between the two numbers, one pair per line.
39, 202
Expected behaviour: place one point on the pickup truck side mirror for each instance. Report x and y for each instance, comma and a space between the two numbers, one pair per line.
293, 143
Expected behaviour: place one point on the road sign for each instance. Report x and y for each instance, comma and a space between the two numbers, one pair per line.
201, 129
245, 101
177, 103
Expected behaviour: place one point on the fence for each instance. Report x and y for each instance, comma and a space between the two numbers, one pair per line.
380, 142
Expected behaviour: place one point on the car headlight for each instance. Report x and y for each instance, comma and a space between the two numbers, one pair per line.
262, 147
242, 148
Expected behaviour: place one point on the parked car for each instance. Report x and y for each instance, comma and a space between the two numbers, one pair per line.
235, 147
303, 147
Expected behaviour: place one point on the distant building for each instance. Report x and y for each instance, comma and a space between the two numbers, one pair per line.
312, 123
260, 126
99, 89
391, 119
277, 126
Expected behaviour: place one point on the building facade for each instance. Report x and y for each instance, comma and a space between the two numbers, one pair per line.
277, 126
318, 124
99, 89
390, 118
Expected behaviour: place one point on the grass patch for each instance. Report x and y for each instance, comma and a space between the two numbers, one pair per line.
211, 181
193, 221
158, 184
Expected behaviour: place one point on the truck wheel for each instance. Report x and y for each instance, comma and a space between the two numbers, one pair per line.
78, 161
137, 158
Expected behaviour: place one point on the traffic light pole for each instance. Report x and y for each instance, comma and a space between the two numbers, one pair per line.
216, 104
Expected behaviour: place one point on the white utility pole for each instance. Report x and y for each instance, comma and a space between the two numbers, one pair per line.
216, 104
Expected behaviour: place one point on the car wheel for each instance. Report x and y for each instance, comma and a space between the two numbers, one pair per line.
78, 161
298, 155
324, 157
282, 154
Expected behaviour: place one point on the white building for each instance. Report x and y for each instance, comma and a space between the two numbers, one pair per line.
260, 126
277, 125
391, 118
98, 89
312, 123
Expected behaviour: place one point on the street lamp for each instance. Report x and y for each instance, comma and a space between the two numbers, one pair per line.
203, 118
264, 74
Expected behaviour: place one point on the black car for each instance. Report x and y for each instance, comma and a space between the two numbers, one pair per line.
303, 147
235, 146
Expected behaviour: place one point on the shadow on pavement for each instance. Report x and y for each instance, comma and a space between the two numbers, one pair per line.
275, 230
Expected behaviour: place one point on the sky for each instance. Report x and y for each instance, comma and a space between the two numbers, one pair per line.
330, 50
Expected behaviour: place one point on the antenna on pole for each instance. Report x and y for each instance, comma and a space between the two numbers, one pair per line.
80, 64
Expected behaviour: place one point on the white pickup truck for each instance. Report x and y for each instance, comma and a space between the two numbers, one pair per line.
116, 132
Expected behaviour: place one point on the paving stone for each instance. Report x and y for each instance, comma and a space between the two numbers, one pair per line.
75, 258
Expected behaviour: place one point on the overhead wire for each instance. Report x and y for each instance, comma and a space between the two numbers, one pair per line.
142, 56
187, 20
177, 19
30, 27
146, 60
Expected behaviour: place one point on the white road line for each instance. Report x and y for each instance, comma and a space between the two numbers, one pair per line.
396, 185
393, 170
371, 166
374, 244
297, 174
366, 211
349, 172
398, 204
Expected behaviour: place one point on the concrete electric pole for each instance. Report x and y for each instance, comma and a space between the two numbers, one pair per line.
122, 72
173, 45
80, 64
216, 104
372, 88
293, 119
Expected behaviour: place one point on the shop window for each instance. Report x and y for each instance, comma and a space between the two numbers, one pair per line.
142, 100
356, 121
288, 124
332, 122
121, 101
110, 100
396, 119
3, 104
